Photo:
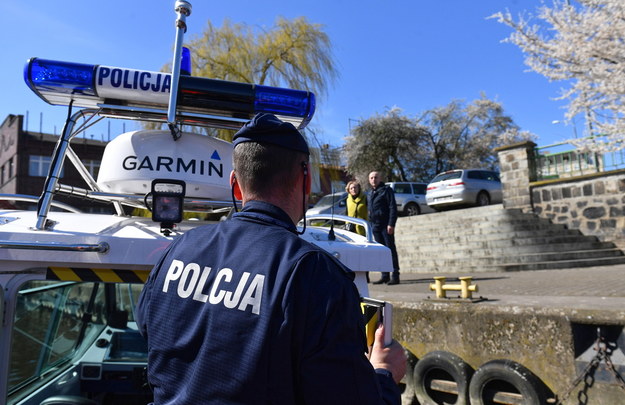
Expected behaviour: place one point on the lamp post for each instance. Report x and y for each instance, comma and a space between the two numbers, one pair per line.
563, 122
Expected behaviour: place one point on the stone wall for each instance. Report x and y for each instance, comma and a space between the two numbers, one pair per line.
594, 204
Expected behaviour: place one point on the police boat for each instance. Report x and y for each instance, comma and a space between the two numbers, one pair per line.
70, 279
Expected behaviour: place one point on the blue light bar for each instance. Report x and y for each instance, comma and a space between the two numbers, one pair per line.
92, 86
185, 62
279, 101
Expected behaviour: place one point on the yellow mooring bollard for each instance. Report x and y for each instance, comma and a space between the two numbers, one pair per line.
465, 287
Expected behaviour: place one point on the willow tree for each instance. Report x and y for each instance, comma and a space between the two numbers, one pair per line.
293, 53
581, 44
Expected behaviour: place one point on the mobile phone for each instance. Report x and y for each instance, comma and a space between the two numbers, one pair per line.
376, 312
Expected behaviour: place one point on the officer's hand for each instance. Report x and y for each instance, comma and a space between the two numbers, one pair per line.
390, 230
391, 357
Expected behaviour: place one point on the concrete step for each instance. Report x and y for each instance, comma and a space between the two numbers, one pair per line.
503, 231
487, 211
463, 236
500, 248
418, 222
469, 268
494, 239
421, 260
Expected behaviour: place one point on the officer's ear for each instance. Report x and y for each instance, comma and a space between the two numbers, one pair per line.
307, 177
235, 187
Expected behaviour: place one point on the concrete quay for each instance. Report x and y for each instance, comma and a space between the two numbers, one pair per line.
545, 320
600, 283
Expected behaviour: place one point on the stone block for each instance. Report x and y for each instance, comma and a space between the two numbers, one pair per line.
594, 212
608, 223
577, 192
546, 195
566, 192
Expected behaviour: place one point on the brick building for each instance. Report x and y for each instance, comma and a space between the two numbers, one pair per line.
25, 159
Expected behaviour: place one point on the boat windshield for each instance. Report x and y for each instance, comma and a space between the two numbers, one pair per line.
55, 321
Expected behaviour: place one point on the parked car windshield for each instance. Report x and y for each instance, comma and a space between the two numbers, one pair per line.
328, 200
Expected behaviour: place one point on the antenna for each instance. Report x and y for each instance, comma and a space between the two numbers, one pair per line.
183, 9
331, 235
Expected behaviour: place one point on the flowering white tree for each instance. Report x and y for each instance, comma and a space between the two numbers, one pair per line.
465, 135
458, 135
583, 44
391, 143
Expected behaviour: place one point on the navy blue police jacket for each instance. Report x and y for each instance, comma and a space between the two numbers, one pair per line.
246, 312
382, 207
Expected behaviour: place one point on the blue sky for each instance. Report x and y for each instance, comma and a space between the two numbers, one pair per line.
413, 54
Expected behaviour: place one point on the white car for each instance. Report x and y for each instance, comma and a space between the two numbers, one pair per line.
410, 198
330, 204
464, 187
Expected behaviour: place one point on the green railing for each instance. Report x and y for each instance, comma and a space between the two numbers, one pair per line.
552, 162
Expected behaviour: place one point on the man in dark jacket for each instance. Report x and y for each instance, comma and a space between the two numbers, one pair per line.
383, 216
247, 312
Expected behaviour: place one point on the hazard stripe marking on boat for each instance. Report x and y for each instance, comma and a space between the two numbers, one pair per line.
97, 275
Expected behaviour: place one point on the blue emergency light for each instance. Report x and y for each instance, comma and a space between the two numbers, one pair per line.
94, 86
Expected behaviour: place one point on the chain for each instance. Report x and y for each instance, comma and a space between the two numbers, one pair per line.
604, 352
619, 379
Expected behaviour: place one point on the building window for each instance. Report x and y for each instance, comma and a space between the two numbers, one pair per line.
39, 166
93, 166
2, 175
10, 168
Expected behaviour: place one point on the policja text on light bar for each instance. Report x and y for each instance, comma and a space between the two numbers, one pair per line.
92, 86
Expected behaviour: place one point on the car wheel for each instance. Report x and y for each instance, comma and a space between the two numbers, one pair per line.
412, 209
482, 199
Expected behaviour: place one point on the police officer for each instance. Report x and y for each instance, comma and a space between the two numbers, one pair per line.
246, 312
383, 216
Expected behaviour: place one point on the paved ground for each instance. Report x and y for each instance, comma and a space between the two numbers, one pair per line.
598, 287
605, 281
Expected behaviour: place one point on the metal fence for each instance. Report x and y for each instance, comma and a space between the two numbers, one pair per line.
563, 160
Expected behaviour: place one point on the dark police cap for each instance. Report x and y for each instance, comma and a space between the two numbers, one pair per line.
267, 128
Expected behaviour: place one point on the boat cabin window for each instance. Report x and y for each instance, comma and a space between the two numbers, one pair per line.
55, 322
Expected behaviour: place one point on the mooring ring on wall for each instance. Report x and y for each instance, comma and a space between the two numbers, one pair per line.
506, 382
442, 377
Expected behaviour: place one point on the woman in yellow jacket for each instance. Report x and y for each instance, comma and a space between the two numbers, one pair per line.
356, 203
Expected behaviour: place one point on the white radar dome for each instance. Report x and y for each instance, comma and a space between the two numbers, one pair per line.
133, 159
